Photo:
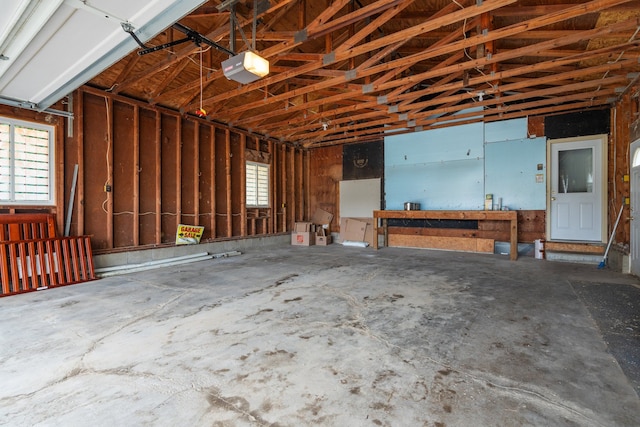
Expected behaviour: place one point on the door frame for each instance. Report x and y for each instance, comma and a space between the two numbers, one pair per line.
604, 138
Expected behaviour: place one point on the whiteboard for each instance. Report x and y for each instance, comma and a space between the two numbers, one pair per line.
359, 198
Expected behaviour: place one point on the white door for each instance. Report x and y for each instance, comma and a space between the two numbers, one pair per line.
635, 208
577, 189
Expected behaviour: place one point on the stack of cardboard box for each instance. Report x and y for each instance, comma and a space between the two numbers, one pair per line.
314, 232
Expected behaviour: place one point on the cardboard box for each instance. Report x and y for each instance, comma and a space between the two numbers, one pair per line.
323, 240
321, 217
303, 238
357, 230
352, 230
304, 226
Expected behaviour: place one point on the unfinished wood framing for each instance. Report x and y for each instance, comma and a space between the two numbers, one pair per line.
161, 170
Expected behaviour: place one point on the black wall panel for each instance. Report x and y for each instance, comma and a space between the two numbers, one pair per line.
592, 122
363, 161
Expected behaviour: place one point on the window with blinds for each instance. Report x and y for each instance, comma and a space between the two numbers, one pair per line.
257, 185
26, 162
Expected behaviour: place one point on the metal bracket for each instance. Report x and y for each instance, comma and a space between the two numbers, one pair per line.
350, 75
300, 36
329, 58
192, 35
128, 28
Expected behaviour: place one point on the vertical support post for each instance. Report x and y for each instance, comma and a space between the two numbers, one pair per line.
212, 189
136, 176
513, 253
227, 163
158, 179
283, 186
196, 173
272, 186
243, 185
178, 166
110, 156
294, 184
306, 168
79, 123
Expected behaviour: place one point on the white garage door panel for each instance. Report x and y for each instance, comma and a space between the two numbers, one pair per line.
53, 47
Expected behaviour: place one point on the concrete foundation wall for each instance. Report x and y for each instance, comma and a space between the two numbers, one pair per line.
146, 255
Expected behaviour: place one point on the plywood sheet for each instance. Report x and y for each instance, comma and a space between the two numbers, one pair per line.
465, 244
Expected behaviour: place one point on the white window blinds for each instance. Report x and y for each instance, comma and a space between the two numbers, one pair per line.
257, 184
26, 163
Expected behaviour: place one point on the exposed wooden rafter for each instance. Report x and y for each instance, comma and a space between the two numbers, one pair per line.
345, 71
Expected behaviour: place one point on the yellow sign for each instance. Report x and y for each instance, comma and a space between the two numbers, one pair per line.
189, 234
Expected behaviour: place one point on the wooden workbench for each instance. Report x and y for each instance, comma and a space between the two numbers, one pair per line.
511, 216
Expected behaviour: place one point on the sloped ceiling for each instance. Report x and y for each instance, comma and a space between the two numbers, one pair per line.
49, 48
355, 70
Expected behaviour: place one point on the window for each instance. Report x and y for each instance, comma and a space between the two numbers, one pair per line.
26, 162
257, 185
636, 158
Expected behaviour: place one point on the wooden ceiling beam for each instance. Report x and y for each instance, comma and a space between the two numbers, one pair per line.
537, 22
504, 74
515, 53
493, 116
436, 103
437, 88
457, 120
375, 24
215, 35
266, 25
318, 29
286, 46
453, 17
442, 114
576, 74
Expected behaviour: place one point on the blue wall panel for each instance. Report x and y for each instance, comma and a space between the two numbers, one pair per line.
440, 169
511, 169
506, 130
438, 145
445, 185
454, 167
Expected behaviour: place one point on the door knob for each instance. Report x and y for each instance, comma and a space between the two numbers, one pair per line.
553, 199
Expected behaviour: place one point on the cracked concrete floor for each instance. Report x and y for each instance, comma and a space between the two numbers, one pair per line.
332, 336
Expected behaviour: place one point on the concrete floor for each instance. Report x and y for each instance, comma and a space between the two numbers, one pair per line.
331, 336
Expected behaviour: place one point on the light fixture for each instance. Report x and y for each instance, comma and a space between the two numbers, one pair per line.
245, 67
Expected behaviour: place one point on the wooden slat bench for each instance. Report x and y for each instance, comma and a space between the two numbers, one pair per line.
33, 257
